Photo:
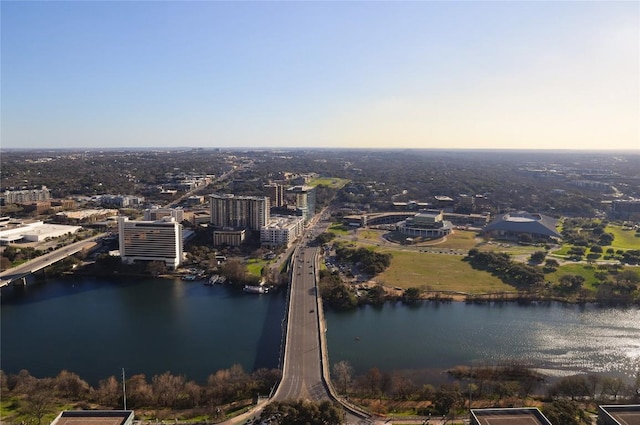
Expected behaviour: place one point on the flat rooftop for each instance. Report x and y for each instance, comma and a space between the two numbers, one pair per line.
95, 417
522, 416
624, 414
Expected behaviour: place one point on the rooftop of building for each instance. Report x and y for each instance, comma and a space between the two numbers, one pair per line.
525, 222
624, 414
281, 221
94, 417
509, 416
233, 196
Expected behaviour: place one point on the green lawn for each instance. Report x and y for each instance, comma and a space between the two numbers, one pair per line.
339, 229
576, 269
438, 272
332, 182
255, 266
459, 239
369, 234
623, 239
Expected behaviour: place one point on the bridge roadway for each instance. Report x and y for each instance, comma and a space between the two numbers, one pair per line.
305, 372
302, 373
38, 263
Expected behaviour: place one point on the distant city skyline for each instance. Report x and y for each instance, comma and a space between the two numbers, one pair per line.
423, 74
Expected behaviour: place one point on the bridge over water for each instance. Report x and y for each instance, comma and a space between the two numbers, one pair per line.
20, 272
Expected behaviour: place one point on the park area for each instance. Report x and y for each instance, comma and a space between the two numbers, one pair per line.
439, 265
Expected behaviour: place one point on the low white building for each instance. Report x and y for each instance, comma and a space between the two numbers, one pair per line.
281, 231
153, 214
36, 232
159, 240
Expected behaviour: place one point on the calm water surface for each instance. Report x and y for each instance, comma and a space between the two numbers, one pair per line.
95, 327
557, 338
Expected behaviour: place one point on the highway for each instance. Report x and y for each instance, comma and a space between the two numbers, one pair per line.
38, 263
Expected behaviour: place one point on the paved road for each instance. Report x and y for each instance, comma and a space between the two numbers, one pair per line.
302, 375
45, 260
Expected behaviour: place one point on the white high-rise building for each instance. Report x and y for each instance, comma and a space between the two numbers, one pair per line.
151, 241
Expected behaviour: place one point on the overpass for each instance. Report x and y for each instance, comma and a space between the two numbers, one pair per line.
20, 272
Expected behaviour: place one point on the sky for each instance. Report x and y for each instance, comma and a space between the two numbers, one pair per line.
328, 74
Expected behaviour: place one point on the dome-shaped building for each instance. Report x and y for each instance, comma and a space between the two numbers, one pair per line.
513, 225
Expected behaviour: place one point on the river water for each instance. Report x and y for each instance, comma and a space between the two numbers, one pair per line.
95, 327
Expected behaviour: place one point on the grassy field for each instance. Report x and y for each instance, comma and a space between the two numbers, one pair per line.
339, 229
255, 266
579, 269
514, 250
332, 182
460, 239
446, 272
437, 272
623, 239
370, 235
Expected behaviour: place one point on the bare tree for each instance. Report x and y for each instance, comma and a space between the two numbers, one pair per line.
166, 388
139, 391
109, 392
36, 404
343, 374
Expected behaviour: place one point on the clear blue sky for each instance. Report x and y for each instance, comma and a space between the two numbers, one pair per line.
540, 74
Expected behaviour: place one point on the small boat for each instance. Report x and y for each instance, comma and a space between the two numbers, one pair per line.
212, 280
255, 289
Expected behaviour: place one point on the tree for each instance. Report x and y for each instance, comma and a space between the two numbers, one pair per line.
343, 374
139, 392
402, 387
377, 295
108, 392
412, 295
235, 271
166, 388
627, 277
565, 412
613, 386
373, 381
573, 386
302, 412
36, 405
446, 398
69, 385
537, 257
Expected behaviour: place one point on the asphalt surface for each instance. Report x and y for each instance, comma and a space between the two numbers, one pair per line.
44, 260
302, 373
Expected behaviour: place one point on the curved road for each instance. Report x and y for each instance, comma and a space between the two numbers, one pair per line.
38, 263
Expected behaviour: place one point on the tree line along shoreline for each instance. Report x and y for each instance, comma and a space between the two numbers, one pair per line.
229, 392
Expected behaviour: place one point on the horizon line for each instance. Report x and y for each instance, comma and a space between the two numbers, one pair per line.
291, 148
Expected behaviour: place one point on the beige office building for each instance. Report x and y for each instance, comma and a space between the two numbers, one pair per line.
228, 210
159, 240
